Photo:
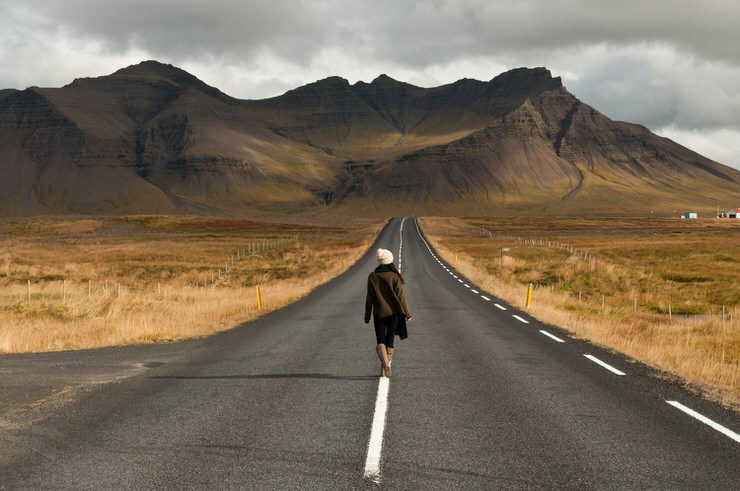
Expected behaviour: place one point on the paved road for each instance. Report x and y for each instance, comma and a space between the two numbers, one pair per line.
479, 399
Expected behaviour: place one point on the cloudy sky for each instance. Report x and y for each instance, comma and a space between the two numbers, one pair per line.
672, 65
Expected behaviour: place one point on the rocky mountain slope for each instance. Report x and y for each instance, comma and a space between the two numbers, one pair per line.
148, 139
152, 138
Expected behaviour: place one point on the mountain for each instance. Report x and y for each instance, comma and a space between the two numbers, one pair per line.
148, 138
390, 118
152, 138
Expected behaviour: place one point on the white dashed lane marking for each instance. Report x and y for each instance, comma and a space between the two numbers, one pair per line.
705, 420
700, 417
605, 365
552, 336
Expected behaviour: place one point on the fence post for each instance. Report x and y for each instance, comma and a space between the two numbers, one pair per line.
28, 284
634, 306
529, 295
64, 291
670, 313
259, 298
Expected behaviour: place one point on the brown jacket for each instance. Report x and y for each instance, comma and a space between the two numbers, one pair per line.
385, 295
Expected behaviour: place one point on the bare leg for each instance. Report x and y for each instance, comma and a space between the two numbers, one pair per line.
390, 354
383, 355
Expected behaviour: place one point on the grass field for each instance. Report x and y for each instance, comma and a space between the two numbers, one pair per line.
654, 289
81, 283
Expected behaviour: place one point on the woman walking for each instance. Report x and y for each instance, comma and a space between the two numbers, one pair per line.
387, 304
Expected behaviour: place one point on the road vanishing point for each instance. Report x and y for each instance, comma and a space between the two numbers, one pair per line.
483, 396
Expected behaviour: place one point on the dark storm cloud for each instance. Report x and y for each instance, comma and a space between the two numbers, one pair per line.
411, 32
662, 63
179, 29
422, 32
659, 87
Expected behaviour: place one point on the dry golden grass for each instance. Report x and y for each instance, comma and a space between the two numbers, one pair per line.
128, 280
694, 267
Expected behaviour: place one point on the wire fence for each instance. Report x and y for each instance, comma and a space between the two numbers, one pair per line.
593, 263
250, 250
62, 290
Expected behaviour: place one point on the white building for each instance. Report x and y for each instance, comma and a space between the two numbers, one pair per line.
734, 213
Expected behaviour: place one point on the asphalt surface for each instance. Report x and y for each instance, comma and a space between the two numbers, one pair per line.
479, 399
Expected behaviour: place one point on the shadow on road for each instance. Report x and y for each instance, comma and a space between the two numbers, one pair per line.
270, 376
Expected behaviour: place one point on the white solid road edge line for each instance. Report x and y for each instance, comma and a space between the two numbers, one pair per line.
605, 365
500, 306
552, 336
375, 445
520, 319
705, 420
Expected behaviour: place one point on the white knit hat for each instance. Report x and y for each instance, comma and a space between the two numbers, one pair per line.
384, 256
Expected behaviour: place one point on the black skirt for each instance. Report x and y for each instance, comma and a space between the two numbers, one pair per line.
388, 327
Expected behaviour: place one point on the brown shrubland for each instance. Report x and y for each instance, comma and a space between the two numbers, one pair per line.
126, 280
691, 266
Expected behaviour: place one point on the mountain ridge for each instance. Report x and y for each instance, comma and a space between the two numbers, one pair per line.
154, 138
